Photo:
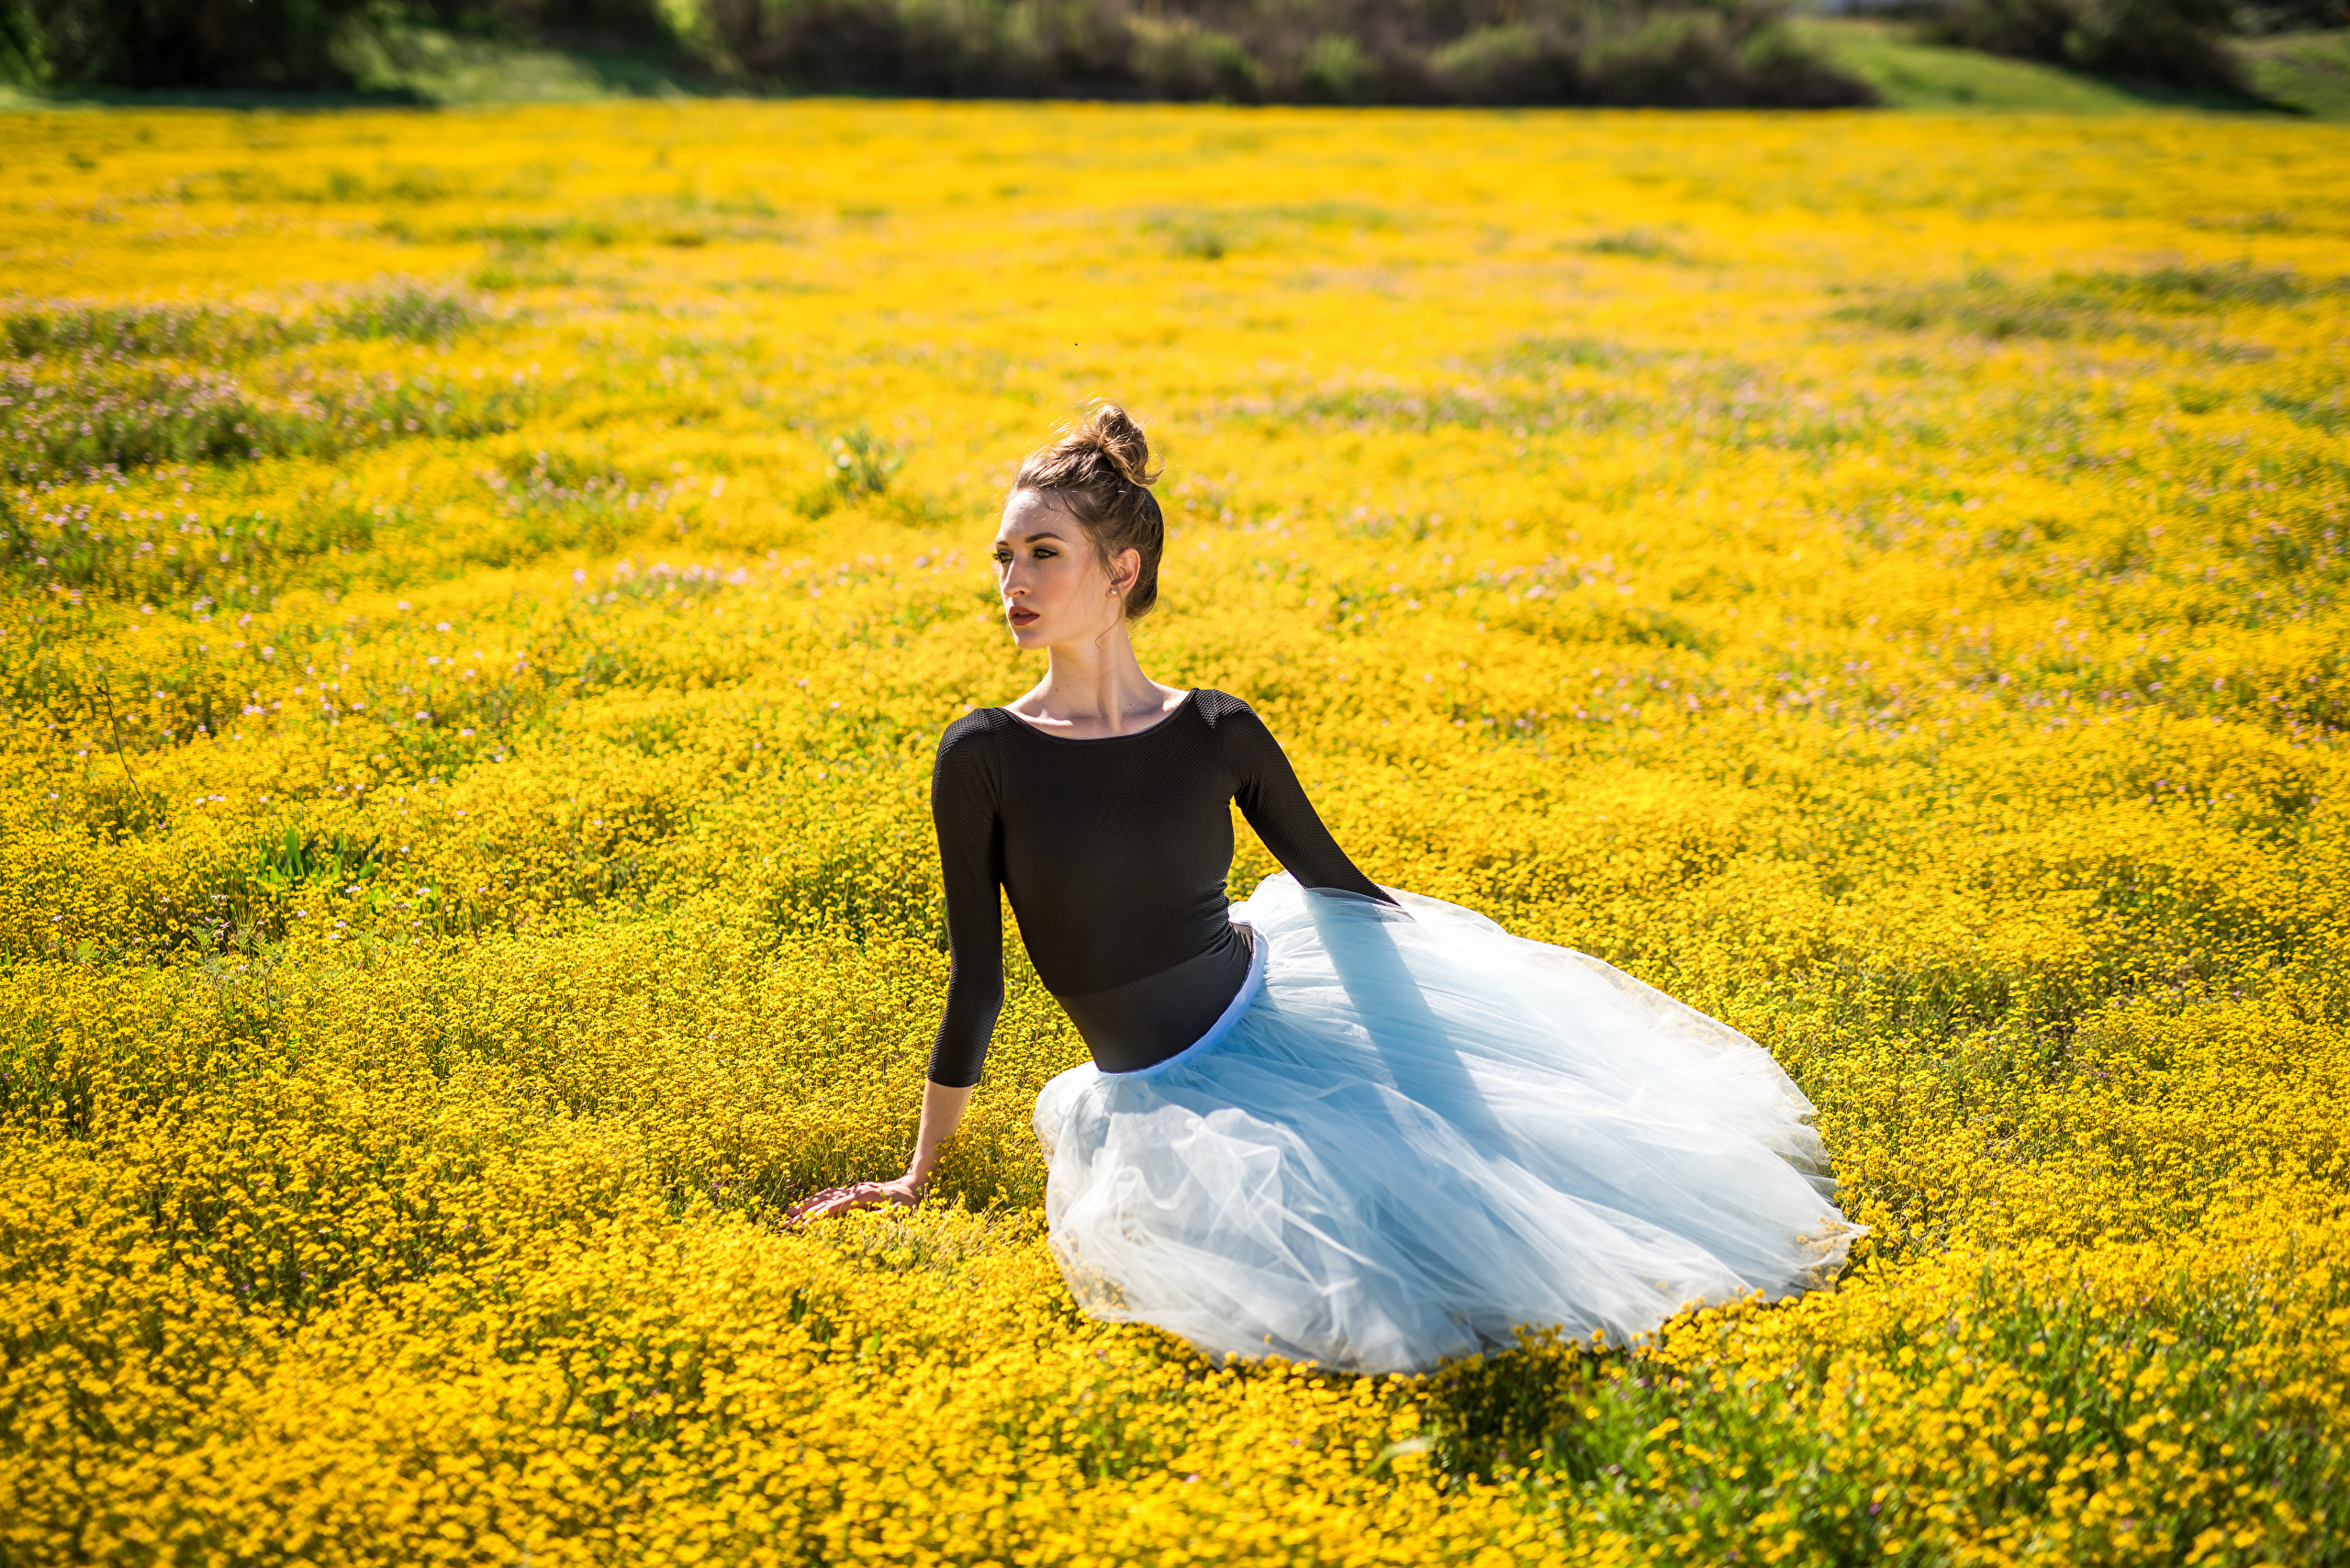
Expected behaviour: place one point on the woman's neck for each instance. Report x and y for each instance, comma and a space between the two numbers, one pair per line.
1096, 688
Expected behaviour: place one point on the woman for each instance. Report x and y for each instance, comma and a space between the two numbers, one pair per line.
1336, 1122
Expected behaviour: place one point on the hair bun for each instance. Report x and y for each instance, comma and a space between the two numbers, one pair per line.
1100, 470
1112, 432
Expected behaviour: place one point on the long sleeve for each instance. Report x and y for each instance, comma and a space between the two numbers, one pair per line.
1276, 806
964, 789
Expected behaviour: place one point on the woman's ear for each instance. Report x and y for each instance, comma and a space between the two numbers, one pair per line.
1125, 569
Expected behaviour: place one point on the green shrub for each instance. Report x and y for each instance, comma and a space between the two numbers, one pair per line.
2258, 18
1336, 69
1688, 52
1176, 58
2177, 42
1676, 57
268, 45
932, 46
1509, 64
172, 43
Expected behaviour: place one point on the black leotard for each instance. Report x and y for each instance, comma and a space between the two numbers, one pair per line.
1114, 852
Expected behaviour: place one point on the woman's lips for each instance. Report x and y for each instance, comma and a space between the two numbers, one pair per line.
1020, 617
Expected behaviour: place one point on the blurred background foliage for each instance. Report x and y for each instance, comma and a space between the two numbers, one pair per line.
1692, 53
1699, 52
2074, 55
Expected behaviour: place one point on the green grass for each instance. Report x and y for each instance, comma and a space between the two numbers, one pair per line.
2311, 72
439, 67
1912, 75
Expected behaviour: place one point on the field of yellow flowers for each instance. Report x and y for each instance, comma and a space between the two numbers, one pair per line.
478, 593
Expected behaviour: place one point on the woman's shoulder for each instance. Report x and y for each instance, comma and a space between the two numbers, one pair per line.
972, 737
1221, 708
1233, 729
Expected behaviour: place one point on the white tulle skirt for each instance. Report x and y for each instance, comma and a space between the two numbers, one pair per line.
1411, 1132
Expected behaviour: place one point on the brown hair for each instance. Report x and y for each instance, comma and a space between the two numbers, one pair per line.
1099, 472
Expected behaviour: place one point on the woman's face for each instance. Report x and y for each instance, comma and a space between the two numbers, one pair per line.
1055, 591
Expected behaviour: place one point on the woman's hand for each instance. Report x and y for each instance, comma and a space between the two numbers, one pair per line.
941, 1113
906, 1190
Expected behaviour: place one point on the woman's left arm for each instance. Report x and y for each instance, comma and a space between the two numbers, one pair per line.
1276, 806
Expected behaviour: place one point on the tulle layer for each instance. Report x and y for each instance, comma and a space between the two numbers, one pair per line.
1414, 1132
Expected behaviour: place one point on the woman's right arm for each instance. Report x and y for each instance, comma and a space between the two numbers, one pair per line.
941, 1113
970, 860
970, 855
